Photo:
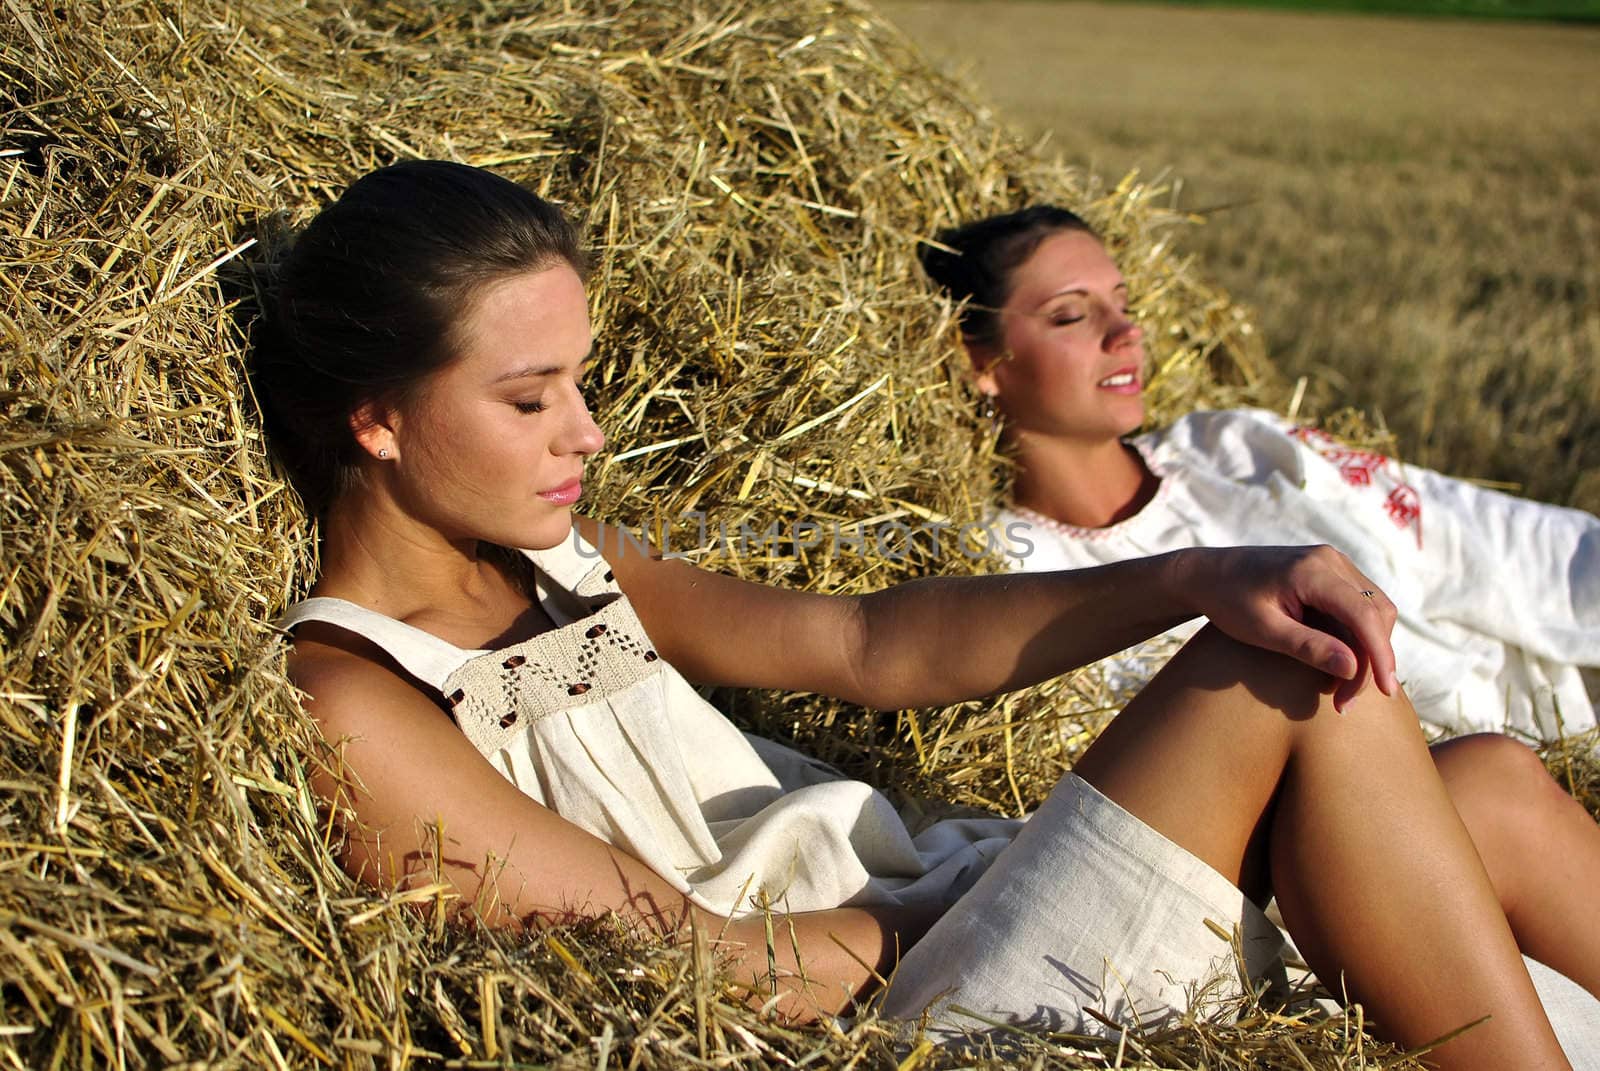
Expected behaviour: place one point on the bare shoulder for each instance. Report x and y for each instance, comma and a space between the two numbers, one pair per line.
349, 680
400, 776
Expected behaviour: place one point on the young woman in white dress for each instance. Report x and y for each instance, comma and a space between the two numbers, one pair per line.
1497, 598
518, 722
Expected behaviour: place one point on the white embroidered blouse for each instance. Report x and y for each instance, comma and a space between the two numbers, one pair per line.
1499, 597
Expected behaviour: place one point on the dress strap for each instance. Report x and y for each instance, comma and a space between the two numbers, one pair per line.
421, 654
573, 566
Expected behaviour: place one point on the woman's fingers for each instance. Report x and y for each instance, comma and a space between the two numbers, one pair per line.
1348, 597
1318, 641
1312, 604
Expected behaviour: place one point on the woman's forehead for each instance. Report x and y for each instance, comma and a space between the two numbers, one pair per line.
1064, 262
537, 319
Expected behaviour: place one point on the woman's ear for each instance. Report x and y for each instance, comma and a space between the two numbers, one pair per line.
984, 357
374, 424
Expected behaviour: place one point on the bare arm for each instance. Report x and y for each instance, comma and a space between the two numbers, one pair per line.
419, 805
949, 639
943, 640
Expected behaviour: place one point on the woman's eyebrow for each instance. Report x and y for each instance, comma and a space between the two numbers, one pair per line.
1071, 291
1079, 290
527, 372
534, 371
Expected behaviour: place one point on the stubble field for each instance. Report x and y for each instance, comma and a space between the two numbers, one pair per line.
1412, 206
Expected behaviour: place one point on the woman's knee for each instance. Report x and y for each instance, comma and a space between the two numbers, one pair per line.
1492, 770
1212, 660
1505, 797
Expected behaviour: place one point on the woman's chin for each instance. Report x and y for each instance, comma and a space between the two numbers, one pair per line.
1131, 416
549, 533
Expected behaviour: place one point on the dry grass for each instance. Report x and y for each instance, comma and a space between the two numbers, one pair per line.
753, 178
1411, 206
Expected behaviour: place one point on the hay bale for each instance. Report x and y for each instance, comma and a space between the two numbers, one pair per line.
754, 179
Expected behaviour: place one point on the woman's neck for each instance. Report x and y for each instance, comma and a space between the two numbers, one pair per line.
1086, 485
376, 554
467, 594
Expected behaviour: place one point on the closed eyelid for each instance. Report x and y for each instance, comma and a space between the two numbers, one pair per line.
1075, 307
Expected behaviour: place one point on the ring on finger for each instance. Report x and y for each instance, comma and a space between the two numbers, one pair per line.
1369, 594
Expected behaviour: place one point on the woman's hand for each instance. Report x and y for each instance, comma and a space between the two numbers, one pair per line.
1310, 603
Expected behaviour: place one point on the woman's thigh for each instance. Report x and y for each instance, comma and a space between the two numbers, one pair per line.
1200, 753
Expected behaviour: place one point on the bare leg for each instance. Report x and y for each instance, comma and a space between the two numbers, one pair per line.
1540, 847
1237, 755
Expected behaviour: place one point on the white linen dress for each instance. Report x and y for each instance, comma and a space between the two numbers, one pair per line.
1083, 906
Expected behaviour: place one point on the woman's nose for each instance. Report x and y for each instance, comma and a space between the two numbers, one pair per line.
1123, 330
584, 436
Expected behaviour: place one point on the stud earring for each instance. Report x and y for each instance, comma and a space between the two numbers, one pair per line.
989, 412
383, 453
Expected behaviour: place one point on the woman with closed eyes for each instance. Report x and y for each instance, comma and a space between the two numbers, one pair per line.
1497, 598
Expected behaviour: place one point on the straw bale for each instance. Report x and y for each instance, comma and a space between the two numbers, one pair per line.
753, 178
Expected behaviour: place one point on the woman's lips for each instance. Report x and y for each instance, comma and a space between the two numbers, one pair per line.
1124, 381
565, 495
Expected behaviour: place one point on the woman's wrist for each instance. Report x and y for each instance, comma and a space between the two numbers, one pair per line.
1181, 579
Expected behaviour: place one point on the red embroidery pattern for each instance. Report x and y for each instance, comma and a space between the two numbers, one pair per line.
1356, 466
1359, 468
1405, 508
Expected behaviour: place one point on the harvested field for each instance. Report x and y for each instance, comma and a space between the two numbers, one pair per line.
1411, 207
753, 180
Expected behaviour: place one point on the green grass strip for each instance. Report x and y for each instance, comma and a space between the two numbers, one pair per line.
1542, 10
